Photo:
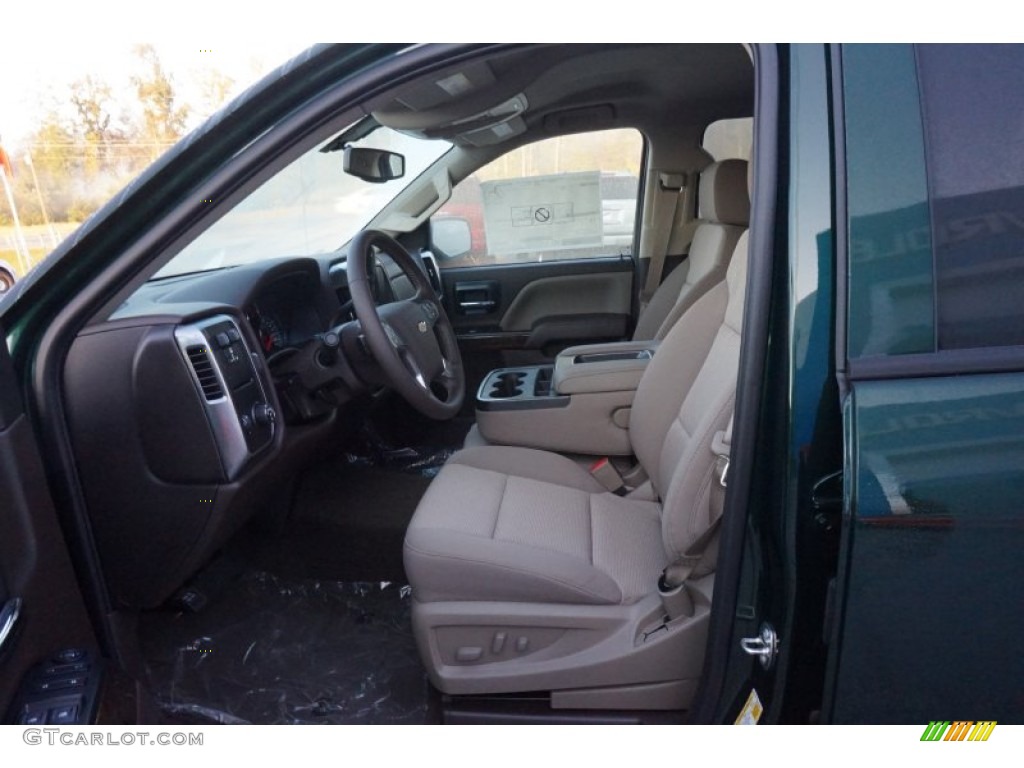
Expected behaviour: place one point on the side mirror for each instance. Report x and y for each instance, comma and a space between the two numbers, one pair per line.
7, 278
451, 236
374, 165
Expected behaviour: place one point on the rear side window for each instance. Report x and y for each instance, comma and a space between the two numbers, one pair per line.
935, 180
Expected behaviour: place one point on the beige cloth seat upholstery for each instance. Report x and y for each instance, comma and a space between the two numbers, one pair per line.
723, 216
529, 525
514, 540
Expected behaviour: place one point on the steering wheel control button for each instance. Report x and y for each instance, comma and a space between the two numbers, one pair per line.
234, 335
223, 340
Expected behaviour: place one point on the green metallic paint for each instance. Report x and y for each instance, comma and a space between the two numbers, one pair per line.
891, 279
934, 560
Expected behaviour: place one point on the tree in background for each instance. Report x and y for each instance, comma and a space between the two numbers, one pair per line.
94, 125
163, 120
88, 146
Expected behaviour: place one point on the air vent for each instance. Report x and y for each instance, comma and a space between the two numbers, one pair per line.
208, 381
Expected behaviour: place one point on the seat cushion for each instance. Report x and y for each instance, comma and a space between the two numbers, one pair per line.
521, 525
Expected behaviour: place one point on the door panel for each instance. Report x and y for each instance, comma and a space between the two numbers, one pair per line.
522, 314
34, 564
935, 530
569, 296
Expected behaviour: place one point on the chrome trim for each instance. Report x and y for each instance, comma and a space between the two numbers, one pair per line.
764, 647
9, 615
222, 413
426, 256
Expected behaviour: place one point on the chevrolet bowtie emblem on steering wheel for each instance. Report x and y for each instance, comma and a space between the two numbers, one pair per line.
422, 325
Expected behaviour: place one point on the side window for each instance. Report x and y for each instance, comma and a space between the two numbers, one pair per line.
935, 193
570, 197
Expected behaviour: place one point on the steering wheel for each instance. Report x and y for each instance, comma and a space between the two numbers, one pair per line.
412, 340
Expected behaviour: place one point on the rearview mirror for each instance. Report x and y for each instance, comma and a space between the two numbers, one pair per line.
374, 165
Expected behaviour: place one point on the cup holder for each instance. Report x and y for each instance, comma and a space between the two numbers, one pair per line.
507, 385
516, 389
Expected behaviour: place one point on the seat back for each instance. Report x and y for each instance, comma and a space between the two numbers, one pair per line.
724, 213
685, 396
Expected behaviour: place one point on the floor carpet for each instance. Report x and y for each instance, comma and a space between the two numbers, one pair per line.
275, 651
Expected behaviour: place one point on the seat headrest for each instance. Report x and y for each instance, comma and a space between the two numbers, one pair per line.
723, 193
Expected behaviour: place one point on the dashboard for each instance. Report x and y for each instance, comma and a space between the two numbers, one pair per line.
199, 398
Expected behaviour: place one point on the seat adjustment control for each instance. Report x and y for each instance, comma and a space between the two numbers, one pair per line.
469, 653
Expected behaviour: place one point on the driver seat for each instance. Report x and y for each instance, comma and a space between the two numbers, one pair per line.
527, 575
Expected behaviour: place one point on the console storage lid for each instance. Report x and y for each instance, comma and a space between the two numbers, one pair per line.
613, 367
582, 406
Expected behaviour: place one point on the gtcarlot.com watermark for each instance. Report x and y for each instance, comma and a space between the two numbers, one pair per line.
77, 738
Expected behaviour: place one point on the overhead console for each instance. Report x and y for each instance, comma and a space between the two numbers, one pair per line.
170, 423
581, 404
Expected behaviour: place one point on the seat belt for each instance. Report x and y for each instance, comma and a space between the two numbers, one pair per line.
672, 584
671, 186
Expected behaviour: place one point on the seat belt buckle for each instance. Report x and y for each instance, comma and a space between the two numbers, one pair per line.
676, 599
722, 469
721, 446
608, 476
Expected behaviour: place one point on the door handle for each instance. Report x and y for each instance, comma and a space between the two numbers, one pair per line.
8, 620
477, 297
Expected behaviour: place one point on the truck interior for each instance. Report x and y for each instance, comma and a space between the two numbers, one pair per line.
403, 476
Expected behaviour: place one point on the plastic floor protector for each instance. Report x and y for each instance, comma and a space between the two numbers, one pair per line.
280, 651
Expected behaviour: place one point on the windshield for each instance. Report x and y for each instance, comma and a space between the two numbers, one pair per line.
311, 206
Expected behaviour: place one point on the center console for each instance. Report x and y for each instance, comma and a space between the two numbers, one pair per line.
581, 404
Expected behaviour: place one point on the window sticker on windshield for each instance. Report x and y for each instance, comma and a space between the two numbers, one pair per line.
543, 213
752, 710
